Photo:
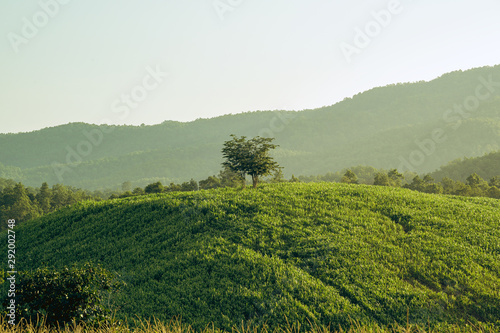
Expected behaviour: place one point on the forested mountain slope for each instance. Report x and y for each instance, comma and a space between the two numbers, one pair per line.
487, 167
419, 126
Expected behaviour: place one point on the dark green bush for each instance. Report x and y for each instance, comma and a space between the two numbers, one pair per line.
65, 295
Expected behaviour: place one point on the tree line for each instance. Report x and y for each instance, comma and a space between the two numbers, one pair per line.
474, 186
25, 203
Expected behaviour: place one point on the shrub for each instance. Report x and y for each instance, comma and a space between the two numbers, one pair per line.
65, 295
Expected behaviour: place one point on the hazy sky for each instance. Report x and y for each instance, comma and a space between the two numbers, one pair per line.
133, 62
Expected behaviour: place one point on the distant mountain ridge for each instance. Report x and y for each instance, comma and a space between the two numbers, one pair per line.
419, 126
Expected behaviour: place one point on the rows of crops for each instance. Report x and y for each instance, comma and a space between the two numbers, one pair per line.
325, 253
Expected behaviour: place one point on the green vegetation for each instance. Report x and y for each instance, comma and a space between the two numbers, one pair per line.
381, 127
364, 175
23, 204
322, 256
474, 185
325, 253
249, 157
177, 326
69, 295
487, 167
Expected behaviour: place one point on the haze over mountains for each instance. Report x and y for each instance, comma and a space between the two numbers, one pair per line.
418, 126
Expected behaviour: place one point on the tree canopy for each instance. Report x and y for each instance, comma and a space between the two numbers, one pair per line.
249, 157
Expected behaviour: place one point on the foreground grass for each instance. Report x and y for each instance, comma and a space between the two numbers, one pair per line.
176, 326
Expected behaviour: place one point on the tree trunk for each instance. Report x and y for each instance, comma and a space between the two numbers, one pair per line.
255, 180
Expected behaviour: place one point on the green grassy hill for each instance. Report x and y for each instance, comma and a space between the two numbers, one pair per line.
322, 252
379, 127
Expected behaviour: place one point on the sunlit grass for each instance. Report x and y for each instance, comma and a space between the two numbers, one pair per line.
176, 326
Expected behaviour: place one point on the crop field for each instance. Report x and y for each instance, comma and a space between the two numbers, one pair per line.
317, 254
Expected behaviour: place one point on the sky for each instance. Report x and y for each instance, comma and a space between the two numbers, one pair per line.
145, 62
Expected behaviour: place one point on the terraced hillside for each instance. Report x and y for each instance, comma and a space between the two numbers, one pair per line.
324, 252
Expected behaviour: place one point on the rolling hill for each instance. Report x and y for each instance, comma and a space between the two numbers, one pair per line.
419, 126
329, 253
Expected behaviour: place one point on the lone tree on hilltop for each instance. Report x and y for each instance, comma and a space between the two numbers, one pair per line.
249, 157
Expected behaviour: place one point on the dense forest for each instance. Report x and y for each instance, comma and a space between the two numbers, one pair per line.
409, 126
